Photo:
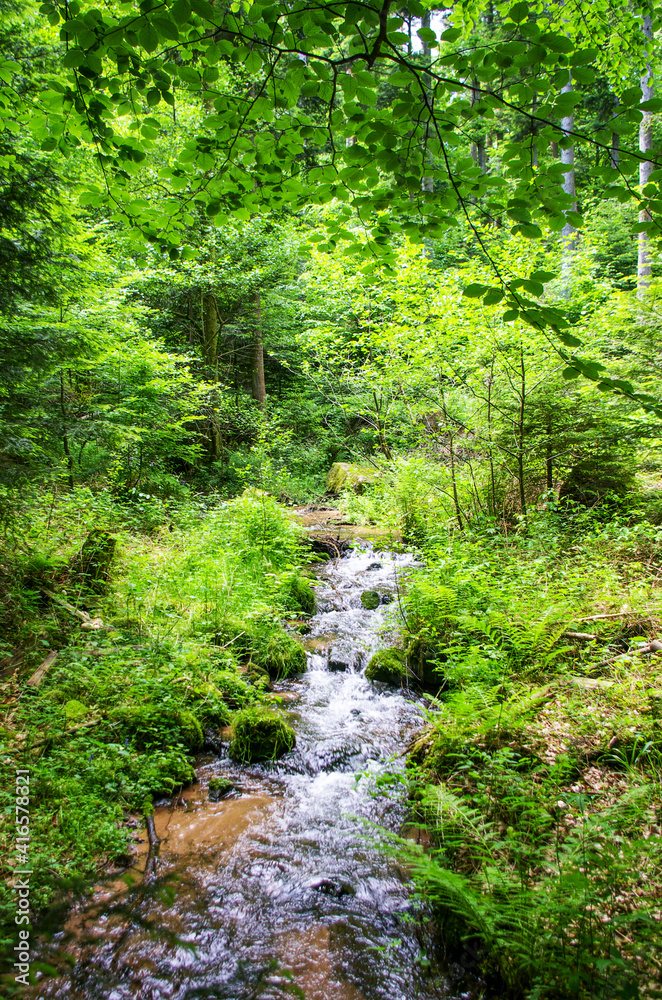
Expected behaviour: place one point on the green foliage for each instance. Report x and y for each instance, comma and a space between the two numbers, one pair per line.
388, 666
152, 726
259, 735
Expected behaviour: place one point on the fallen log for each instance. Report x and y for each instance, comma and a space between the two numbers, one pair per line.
41, 670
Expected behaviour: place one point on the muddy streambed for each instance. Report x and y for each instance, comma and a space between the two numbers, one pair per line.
276, 891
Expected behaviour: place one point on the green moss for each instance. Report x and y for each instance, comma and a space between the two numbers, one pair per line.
218, 787
260, 735
209, 706
388, 666
153, 725
370, 600
283, 657
234, 690
75, 710
300, 595
344, 475
260, 643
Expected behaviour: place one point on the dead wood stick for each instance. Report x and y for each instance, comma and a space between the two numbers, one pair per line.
88, 623
617, 614
40, 672
587, 636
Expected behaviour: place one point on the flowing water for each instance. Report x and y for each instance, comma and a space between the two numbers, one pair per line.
277, 891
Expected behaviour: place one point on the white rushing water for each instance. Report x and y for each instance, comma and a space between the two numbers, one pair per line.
279, 892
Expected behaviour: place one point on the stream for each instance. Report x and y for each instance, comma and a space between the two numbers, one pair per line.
277, 891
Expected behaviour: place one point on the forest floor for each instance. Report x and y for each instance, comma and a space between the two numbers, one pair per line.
538, 775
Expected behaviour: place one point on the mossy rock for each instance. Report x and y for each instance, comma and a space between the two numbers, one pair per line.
283, 657
422, 666
75, 710
220, 787
154, 725
257, 677
387, 666
91, 565
345, 476
370, 600
300, 595
260, 735
209, 706
234, 690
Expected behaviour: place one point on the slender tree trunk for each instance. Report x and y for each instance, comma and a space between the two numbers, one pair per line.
568, 160
210, 332
489, 436
520, 434
644, 267
259, 390
534, 133
568, 232
615, 151
549, 462
381, 429
65, 438
451, 448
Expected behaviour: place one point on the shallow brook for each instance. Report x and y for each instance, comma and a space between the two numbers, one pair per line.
277, 891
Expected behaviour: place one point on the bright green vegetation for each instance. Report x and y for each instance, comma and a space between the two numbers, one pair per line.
538, 776
251, 252
260, 735
189, 610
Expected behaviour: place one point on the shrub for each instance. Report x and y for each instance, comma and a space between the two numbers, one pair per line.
152, 725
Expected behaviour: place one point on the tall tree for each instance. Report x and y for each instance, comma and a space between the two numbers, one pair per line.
646, 166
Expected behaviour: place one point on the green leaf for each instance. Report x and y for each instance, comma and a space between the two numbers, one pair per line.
149, 38
166, 28
475, 290
571, 373
181, 11
519, 12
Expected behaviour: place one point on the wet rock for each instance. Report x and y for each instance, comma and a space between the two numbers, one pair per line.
375, 565
370, 600
329, 546
345, 476
387, 598
335, 755
387, 666
341, 659
333, 887
219, 788
260, 735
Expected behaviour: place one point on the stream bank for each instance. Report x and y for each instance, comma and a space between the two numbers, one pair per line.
276, 890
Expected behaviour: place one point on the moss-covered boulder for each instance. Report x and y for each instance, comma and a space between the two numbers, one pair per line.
345, 476
282, 657
208, 704
299, 595
370, 600
149, 726
387, 666
234, 690
260, 643
219, 788
423, 666
90, 567
260, 735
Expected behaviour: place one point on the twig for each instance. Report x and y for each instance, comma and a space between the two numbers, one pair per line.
87, 622
618, 614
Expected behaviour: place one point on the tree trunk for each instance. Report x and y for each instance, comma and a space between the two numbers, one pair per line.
644, 268
614, 153
520, 435
259, 390
568, 159
210, 330
65, 437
